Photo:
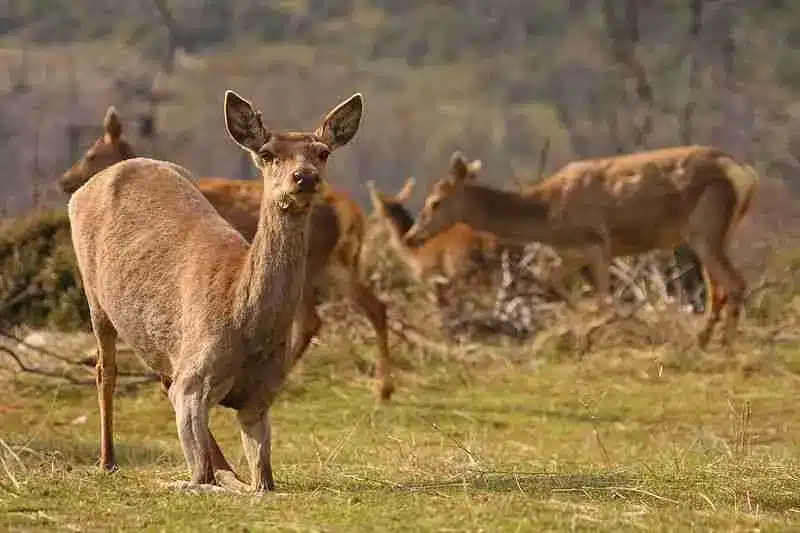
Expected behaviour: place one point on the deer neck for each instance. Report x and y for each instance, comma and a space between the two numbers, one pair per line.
273, 273
508, 215
397, 221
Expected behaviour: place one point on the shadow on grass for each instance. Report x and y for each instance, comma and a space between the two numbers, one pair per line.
515, 409
85, 452
525, 482
521, 482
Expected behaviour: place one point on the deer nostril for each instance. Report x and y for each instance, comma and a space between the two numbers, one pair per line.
306, 180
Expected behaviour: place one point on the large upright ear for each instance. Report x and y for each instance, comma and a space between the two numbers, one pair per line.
341, 124
405, 193
112, 126
374, 195
474, 167
243, 123
458, 166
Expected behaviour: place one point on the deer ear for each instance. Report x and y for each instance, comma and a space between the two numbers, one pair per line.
374, 194
243, 123
458, 166
474, 167
341, 123
111, 124
405, 193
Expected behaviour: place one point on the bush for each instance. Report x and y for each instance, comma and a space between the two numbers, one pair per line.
39, 280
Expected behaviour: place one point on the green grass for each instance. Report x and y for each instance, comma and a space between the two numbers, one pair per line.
497, 441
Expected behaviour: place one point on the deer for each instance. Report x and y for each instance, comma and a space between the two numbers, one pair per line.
593, 210
457, 253
337, 236
207, 311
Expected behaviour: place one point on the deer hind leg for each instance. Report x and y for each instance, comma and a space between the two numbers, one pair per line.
375, 311
715, 302
106, 337
726, 290
708, 228
306, 325
256, 434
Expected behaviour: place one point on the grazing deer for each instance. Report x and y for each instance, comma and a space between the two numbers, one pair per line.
457, 253
336, 239
591, 211
210, 313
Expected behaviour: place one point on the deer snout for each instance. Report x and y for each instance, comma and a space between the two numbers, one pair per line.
306, 180
411, 237
67, 183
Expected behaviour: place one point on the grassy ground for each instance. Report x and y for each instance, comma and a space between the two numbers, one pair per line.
490, 440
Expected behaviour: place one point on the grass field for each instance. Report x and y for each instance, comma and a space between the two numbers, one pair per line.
495, 439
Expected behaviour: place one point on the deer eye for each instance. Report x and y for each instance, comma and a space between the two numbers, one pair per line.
324, 154
435, 204
266, 155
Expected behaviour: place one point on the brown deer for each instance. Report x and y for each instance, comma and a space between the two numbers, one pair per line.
210, 313
336, 239
459, 253
593, 210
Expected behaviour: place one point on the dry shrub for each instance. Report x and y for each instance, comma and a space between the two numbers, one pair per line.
39, 281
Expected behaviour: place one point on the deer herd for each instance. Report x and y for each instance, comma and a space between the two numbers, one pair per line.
210, 281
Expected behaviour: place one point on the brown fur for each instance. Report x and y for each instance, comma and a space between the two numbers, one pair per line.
334, 248
594, 210
458, 253
210, 313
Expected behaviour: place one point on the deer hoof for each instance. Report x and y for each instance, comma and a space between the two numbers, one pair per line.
385, 391
194, 488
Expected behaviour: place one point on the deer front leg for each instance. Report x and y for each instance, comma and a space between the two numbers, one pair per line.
256, 441
570, 263
217, 457
599, 262
191, 416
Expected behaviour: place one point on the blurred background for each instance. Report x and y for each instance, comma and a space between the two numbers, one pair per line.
501, 80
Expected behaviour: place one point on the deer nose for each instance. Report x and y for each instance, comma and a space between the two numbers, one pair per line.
306, 179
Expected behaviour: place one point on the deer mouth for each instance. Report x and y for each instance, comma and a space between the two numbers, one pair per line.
68, 185
412, 237
297, 203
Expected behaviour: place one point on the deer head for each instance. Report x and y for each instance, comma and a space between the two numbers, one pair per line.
109, 149
292, 164
390, 209
444, 206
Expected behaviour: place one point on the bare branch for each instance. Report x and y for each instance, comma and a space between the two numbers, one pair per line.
686, 119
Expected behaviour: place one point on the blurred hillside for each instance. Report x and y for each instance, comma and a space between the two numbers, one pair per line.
497, 79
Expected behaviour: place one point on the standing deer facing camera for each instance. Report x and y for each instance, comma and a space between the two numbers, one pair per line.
206, 311
593, 210
335, 242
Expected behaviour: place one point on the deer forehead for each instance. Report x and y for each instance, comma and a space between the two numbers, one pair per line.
293, 145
